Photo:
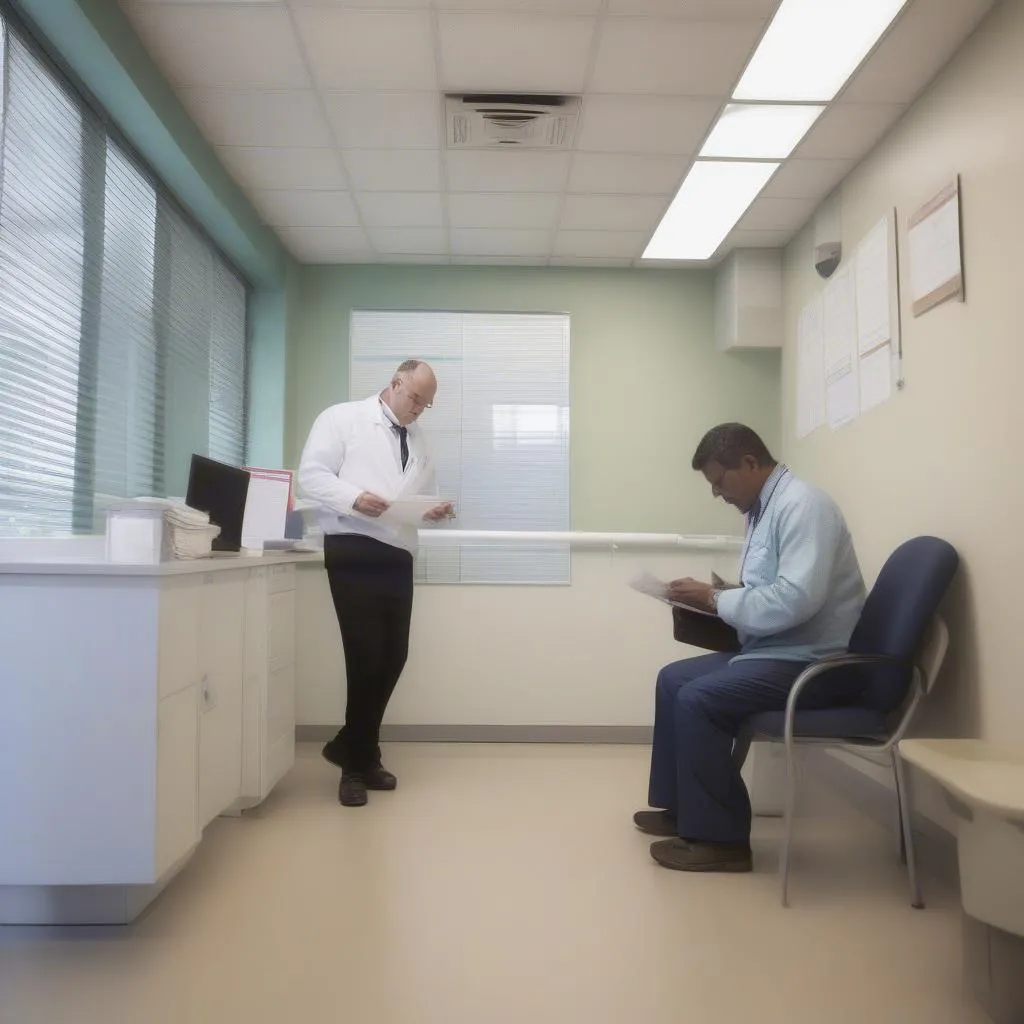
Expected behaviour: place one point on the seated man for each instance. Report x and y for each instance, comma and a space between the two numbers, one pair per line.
800, 595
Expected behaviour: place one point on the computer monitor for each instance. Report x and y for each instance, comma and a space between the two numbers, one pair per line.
221, 491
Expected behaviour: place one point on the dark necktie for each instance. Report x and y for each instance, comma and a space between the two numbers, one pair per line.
403, 440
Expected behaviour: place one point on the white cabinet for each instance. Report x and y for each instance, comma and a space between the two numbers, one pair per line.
269, 696
136, 705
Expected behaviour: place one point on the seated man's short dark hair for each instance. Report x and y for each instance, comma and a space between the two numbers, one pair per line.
728, 444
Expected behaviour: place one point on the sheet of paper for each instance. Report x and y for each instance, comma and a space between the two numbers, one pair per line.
842, 398
410, 510
810, 370
266, 506
649, 584
934, 246
839, 322
839, 329
873, 287
876, 378
720, 584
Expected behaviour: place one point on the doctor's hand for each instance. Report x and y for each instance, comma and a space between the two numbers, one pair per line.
446, 510
692, 592
370, 504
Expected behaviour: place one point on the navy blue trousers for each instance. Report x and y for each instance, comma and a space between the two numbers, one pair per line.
700, 705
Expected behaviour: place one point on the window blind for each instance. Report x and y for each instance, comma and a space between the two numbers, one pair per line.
123, 331
499, 428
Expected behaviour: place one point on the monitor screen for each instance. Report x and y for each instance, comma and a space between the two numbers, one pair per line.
221, 491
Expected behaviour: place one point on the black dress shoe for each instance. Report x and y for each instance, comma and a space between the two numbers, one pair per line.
378, 777
352, 790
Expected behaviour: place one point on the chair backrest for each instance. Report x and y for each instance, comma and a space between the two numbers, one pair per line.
898, 612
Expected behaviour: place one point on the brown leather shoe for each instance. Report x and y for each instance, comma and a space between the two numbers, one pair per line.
656, 823
680, 855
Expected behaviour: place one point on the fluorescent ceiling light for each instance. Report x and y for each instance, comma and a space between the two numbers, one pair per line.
711, 199
813, 46
759, 131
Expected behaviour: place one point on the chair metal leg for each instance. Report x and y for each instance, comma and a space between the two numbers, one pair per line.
899, 810
908, 835
788, 814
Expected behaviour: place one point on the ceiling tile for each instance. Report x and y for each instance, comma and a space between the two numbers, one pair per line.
306, 208
674, 264
808, 179
350, 49
425, 259
401, 209
696, 10
531, 6
259, 167
613, 213
488, 52
756, 240
496, 242
499, 261
324, 244
695, 58
258, 117
367, 4
600, 243
849, 130
486, 210
482, 171
583, 261
915, 50
397, 170
385, 120
625, 174
770, 214
409, 240
644, 124
199, 45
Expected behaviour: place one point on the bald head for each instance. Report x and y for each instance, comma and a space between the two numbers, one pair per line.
412, 390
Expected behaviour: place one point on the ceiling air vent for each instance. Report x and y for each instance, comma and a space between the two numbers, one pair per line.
478, 121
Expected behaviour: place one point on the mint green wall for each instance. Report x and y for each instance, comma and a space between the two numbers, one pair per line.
99, 45
647, 380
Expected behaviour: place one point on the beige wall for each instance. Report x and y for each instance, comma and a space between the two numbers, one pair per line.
942, 456
646, 378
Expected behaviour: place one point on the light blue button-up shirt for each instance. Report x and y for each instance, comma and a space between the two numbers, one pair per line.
802, 590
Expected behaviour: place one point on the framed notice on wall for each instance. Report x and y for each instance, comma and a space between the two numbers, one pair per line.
936, 258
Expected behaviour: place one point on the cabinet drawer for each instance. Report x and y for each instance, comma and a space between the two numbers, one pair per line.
282, 577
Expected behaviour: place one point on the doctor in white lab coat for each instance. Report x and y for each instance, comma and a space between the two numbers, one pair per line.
359, 458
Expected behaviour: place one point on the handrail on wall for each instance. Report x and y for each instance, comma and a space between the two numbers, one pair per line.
583, 539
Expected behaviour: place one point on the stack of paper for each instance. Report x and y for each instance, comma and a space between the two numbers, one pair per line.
190, 532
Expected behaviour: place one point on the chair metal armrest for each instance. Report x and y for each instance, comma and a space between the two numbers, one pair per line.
834, 661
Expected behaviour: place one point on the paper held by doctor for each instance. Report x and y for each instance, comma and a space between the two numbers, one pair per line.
410, 510
649, 584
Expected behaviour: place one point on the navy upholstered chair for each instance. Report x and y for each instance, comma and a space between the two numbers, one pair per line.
893, 659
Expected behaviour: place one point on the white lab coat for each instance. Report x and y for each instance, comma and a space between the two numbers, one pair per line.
352, 448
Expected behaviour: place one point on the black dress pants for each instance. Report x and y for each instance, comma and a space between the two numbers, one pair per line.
371, 584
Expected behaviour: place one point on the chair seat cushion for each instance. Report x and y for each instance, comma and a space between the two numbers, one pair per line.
827, 723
